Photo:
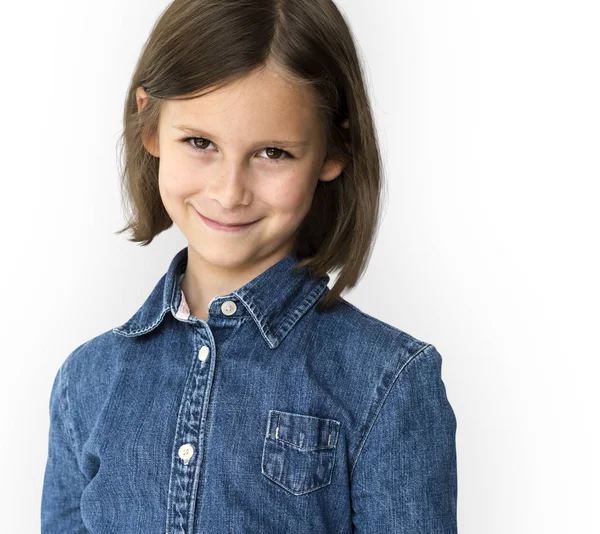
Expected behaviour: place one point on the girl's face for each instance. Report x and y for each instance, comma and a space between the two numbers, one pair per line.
222, 156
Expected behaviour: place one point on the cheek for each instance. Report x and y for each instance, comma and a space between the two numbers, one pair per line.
292, 194
176, 181
175, 185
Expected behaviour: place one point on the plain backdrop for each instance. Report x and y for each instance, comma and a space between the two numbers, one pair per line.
489, 119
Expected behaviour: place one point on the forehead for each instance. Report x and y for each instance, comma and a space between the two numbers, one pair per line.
262, 100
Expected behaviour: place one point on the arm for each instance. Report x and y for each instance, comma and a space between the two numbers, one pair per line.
63, 480
404, 479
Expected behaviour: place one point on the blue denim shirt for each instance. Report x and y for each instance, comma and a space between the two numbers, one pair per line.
270, 417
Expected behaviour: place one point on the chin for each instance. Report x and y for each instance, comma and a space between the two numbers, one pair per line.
222, 254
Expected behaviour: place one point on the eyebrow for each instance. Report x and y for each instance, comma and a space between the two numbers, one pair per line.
284, 143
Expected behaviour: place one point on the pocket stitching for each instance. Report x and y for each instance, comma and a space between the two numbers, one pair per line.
332, 448
335, 434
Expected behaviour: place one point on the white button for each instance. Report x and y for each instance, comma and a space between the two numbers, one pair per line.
228, 307
186, 452
203, 353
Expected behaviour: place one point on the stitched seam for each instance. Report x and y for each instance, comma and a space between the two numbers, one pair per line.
67, 420
293, 414
262, 326
333, 430
315, 448
143, 329
273, 338
305, 305
374, 320
332, 451
381, 405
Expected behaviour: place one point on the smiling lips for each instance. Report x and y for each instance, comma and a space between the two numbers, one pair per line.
226, 227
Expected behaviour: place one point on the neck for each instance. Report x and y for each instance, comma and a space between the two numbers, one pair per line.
203, 280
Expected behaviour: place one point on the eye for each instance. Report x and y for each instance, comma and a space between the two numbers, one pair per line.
195, 145
200, 144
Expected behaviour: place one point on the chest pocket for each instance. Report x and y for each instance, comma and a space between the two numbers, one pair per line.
299, 451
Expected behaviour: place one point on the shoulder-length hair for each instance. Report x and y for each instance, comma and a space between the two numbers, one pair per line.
200, 44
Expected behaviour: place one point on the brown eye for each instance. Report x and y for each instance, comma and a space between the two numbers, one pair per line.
278, 152
198, 142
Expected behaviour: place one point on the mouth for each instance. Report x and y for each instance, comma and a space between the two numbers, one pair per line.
226, 227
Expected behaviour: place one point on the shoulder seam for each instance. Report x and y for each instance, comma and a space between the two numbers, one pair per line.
382, 403
375, 320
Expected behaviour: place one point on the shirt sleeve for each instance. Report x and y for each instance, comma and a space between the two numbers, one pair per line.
63, 480
404, 479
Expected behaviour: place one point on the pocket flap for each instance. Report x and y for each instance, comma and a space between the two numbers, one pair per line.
303, 431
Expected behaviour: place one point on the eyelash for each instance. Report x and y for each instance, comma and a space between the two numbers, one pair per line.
189, 141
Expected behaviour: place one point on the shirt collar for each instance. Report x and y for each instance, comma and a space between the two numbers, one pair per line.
276, 299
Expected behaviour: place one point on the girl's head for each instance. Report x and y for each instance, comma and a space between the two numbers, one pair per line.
254, 110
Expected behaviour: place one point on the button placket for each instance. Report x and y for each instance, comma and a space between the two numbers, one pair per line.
189, 438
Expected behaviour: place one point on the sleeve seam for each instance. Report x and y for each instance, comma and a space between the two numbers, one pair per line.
382, 403
66, 413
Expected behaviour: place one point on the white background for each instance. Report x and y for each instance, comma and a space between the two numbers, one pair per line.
489, 120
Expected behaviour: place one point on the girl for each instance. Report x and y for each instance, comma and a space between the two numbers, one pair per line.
245, 395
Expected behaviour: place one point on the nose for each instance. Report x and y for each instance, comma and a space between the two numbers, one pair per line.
230, 187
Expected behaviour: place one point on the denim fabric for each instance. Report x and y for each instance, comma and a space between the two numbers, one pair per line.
271, 417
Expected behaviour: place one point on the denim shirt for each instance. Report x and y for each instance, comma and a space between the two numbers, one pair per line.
269, 417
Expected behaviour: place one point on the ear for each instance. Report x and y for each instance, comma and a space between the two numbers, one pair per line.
332, 168
150, 142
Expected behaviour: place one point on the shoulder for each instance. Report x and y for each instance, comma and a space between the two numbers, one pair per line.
93, 356
87, 374
384, 345
374, 361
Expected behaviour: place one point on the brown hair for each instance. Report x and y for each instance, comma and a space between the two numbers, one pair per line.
200, 44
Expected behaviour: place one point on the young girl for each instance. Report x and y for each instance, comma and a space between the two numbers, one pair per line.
245, 395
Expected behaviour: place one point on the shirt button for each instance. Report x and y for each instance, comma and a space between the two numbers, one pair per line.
186, 452
228, 307
203, 353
